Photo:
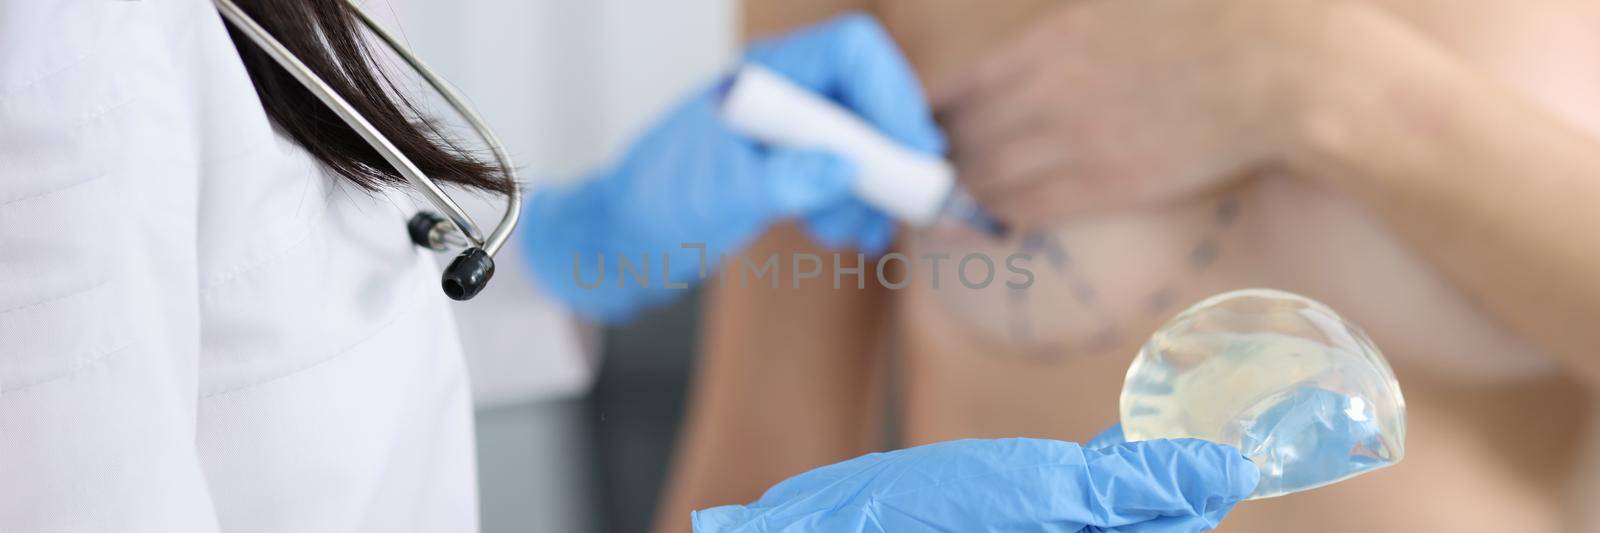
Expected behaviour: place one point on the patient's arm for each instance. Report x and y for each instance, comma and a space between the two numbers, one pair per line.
785, 381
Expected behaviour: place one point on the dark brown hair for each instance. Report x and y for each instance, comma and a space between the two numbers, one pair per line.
329, 39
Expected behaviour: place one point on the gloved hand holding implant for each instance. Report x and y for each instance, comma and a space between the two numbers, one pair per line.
1303, 393
1157, 486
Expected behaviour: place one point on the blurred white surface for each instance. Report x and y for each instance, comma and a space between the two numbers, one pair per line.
565, 83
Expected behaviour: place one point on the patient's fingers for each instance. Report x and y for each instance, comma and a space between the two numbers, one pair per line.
995, 71
1014, 109
995, 166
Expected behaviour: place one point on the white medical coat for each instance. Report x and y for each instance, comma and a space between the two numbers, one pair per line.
202, 329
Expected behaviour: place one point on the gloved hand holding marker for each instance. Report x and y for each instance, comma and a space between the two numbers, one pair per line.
914, 187
691, 189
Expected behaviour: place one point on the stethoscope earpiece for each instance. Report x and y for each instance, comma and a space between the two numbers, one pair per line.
429, 230
467, 274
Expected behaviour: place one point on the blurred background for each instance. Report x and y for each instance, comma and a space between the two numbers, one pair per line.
575, 424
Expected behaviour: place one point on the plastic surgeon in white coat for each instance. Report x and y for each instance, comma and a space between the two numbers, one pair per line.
211, 317
202, 327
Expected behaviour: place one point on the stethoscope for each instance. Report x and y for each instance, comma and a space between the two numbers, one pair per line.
466, 276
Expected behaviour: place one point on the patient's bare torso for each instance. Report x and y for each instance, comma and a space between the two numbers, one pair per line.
1494, 425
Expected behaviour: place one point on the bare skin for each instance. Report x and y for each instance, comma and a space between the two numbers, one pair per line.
1498, 423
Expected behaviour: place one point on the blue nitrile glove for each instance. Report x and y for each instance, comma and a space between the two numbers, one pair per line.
1157, 486
691, 190
890, 99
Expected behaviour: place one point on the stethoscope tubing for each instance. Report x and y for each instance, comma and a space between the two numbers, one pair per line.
458, 217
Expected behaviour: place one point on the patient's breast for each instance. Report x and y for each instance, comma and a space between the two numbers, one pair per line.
1087, 286
1102, 283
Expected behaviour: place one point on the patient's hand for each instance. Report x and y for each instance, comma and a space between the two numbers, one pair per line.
1107, 104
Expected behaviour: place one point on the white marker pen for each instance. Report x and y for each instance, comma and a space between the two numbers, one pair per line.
910, 186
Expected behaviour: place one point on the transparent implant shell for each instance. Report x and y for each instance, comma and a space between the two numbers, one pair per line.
1299, 390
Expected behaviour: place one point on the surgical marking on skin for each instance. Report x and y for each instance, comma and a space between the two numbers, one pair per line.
1161, 300
1044, 243
1020, 324
1017, 307
1034, 241
1203, 254
1056, 254
1227, 211
1085, 294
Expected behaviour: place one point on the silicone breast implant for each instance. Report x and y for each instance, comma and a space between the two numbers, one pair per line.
1300, 391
